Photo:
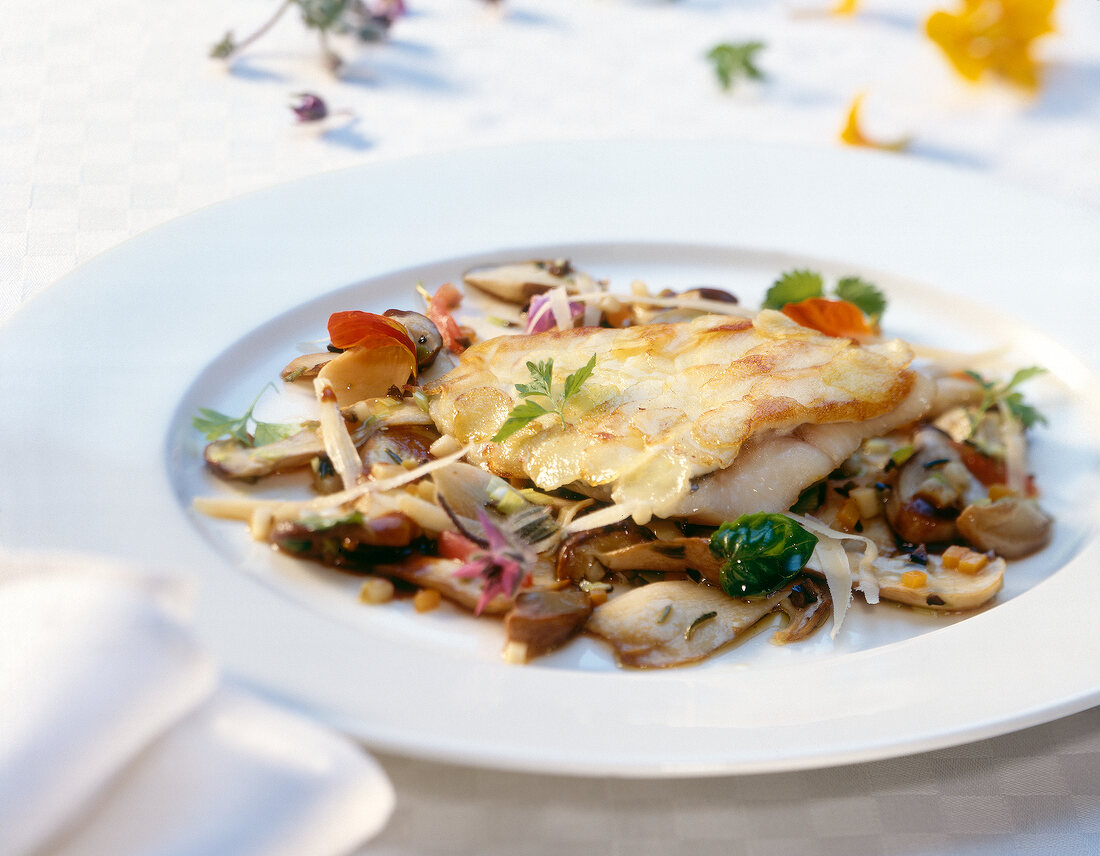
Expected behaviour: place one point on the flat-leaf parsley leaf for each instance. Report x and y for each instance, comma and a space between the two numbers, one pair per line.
542, 380
214, 424
735, 60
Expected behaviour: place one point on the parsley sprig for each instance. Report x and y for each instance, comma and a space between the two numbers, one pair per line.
542, 380
214, 425
1007, 395
800, 284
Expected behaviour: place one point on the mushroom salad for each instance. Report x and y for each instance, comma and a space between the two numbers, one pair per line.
660, 471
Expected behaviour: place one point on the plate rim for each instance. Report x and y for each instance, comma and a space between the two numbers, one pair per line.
518, 162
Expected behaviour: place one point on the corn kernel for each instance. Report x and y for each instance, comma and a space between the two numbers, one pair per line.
376, 590
952, 555
973, 562
425, 600
914, 579
1000, 491
847, 517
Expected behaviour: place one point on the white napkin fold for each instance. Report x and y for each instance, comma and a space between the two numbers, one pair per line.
115, 736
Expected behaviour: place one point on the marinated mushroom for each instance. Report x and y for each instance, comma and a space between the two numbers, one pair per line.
354, 543
517, 283
579, 557
676, 622
1013, 526
542, 620
930, 490
423, 332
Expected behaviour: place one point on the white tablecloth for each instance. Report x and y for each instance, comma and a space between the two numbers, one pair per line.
113, 120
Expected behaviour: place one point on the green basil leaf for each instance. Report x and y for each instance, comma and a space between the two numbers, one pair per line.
794, 286
761, 551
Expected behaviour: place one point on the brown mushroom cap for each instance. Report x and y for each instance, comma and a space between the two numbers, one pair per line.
1013, 526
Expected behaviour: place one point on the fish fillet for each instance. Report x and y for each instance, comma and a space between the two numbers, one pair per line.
667, 403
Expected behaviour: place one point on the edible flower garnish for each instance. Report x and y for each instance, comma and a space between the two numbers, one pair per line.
502, 567
855, 312
378, 353
761, 552
831, 317
853, 135
993, 37
214, 425
733, 61
310, 107
542, 379
845, 7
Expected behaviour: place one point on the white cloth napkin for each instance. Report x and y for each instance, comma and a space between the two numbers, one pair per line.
117, 737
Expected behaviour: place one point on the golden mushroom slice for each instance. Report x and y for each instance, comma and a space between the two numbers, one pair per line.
518, 282
934, 586
676, 622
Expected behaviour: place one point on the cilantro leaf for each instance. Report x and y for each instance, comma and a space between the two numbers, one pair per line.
542, 376
863, 294
794, 286
735, 60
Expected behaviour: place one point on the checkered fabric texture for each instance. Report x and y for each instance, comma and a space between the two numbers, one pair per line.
113, 120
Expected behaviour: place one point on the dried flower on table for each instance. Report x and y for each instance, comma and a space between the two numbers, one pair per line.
852, 132
735, 60
363, 21
993, 37
310, 107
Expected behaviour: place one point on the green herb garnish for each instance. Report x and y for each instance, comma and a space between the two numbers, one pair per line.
214, 425
735, 60
1006, 395
702, 619
865, 295
797, 285
542, 379
761, 552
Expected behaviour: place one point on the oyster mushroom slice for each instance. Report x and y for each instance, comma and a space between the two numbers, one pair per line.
1013, 526
673, 555
518, 282
305, 367
676, 622
545, 619
231, 459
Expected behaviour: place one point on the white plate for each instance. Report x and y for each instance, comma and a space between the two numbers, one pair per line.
102, 373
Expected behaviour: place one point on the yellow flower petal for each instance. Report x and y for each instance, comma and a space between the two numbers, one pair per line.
852, 132
993, 37
846, 7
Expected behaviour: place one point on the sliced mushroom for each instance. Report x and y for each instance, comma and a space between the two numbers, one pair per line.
676, 622
930, 490
544, 619
808, 607
305, 367
353, 544
434, 573
518, 282
1013, 526
579, 557
673, 555
398, 444
943, 590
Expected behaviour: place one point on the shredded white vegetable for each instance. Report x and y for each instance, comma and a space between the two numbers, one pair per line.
558, 299
339, 446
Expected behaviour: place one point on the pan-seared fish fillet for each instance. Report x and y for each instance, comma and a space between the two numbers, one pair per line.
667, 403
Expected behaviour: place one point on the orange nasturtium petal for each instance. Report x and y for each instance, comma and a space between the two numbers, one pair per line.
852, 132
347, 329
831, 317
